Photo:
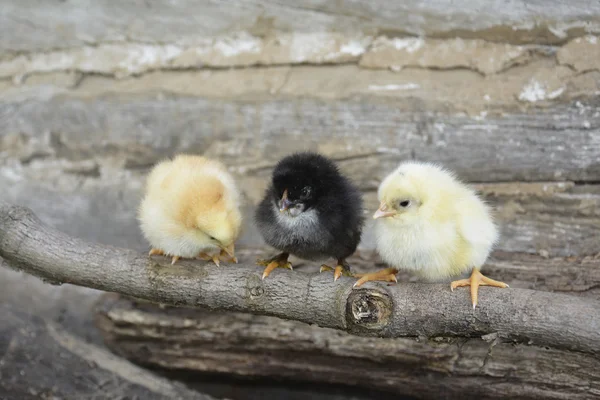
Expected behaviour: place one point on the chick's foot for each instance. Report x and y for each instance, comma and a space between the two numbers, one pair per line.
384, 275
342, 268
279, 261
217, 258
156, 252
477, 279
159, 252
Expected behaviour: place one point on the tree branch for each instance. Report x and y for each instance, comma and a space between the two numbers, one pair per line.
541, 318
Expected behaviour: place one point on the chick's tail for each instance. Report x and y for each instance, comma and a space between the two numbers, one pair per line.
477, 279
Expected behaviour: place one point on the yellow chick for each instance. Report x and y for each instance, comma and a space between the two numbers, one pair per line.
430, 222
191, 208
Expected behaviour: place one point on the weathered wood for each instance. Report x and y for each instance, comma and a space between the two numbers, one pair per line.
30, 25
373, 310
256, 346
40, 360
369, 138
574, 275
555, 220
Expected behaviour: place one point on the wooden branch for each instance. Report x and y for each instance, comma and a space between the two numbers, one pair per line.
258, 346
541, 318
39, 360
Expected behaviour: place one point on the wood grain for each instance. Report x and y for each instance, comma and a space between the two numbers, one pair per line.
258, 346
30, 25
368, 137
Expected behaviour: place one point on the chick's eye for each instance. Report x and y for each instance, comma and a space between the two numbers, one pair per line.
212, 238
306, 191
404, 203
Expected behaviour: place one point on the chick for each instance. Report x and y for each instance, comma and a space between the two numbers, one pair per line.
312, 211
430, 222
191, 208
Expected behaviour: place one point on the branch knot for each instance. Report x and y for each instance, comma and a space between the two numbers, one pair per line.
368, 310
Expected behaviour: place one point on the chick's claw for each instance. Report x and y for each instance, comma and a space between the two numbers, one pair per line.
385, 275
338, 271
477, 279
156, 252
229, 258
208, 257
174, 259
279, 261
217, 258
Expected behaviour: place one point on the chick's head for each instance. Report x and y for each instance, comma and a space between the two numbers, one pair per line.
414, 191
213, 217
301, 181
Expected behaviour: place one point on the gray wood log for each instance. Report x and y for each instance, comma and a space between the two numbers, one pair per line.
542, 318
561, 219
573, 275
40, 360
560, 143
258, 346
30, 25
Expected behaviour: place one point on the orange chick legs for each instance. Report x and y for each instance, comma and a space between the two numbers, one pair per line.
216, 258
342, 268
279, 261
477, 279
385, 275
159, 252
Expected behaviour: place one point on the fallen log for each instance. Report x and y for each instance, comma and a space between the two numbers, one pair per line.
267, 347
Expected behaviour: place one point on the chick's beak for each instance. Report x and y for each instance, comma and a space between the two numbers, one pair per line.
383, 211
285, 203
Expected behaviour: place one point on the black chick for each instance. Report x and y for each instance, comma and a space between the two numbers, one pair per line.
312, 211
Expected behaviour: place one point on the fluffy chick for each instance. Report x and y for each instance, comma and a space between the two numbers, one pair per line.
430, 222
191, 208
310, 210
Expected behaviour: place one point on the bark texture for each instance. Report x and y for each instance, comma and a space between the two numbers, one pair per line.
259, 346
543, 318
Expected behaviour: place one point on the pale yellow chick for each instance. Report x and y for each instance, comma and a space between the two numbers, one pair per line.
191, 208
430, 222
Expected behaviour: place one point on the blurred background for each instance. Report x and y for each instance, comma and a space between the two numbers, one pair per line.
93, 93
